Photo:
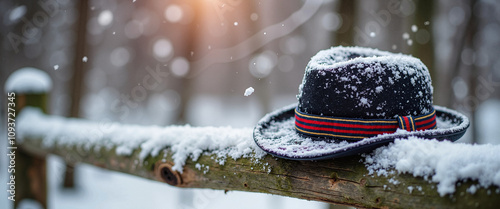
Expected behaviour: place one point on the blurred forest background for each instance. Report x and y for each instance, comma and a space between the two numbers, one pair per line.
175, 62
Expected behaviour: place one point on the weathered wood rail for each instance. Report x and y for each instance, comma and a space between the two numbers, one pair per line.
342, 181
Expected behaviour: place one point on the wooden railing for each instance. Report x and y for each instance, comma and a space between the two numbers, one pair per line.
343, 181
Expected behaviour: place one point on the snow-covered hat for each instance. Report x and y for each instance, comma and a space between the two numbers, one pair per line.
353, 100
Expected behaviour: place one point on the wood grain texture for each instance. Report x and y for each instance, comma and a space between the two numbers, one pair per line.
342, 181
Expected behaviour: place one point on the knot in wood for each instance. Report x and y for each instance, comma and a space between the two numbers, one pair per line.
362, 182
169, 176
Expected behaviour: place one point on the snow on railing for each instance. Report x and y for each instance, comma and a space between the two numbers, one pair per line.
442, 162
184, 141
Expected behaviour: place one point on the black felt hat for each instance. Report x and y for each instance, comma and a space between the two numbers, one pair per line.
353, 100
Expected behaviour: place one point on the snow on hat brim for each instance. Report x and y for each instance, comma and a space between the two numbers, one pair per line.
275, 133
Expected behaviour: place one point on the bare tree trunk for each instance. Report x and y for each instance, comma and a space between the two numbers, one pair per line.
186, 83
79, 68
463, 41
265, 93
473, 71
345, 34
454, 68
425, 51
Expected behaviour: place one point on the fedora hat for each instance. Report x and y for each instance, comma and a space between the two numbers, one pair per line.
353, 100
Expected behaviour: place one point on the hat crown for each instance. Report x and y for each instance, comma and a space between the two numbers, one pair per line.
357, 82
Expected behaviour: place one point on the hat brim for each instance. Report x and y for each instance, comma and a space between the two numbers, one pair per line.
275, 134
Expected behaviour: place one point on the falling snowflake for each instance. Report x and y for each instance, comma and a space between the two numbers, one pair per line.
248, 91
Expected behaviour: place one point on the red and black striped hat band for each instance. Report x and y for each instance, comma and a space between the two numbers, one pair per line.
357, 129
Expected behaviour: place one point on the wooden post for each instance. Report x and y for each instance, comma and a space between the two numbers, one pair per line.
31, 171
27, 171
